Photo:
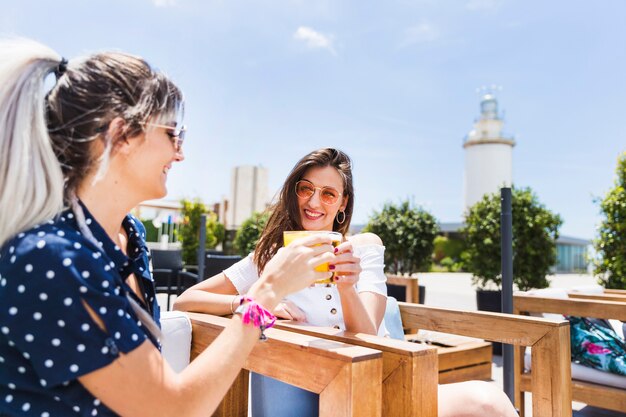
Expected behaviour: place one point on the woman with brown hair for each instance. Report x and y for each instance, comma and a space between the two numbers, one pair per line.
79, 320
318, 195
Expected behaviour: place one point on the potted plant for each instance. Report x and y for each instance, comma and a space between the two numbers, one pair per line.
535, 230
408, 234
189, 232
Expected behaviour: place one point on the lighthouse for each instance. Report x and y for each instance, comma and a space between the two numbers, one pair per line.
488, 154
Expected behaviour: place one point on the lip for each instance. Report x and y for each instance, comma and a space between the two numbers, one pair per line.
312, 214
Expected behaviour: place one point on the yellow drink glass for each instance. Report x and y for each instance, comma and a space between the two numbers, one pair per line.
336, 237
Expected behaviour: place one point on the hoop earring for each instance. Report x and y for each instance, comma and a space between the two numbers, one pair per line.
343, 219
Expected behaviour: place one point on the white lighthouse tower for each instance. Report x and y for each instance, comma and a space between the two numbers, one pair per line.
488, 154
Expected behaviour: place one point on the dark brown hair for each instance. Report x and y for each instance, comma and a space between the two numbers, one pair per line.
285, 214
89, 95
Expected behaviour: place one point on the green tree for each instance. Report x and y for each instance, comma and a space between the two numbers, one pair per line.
535, 230
610, 246
249, 233
408, 233
189, 232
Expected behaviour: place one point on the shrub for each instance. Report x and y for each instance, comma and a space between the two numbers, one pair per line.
249, 233
408, 233
535, 230
189, 231
610, 246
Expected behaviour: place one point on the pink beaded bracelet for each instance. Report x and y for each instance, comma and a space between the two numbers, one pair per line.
255, 314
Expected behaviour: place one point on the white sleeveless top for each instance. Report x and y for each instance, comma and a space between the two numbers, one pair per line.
321, 303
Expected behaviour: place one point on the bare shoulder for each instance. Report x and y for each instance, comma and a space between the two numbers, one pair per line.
362, 239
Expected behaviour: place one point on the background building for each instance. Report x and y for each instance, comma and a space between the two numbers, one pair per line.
248, 193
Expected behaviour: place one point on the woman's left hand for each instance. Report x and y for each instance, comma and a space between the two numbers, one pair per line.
347, 267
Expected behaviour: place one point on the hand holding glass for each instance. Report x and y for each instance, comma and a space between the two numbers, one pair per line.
336, 238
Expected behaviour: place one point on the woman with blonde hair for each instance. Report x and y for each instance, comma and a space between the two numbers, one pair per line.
79, 319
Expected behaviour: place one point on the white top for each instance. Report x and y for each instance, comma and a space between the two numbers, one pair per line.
321, 303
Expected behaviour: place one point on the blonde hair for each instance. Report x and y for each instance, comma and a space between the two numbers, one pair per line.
31, 180
46, 139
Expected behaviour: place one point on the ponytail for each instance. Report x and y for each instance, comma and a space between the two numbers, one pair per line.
31, 181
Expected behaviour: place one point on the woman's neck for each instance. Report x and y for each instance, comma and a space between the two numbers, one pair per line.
107, 205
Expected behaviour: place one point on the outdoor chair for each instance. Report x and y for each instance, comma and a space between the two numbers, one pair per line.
347, 378
215, 264
166, 266
403, 288
590, 386
411, 374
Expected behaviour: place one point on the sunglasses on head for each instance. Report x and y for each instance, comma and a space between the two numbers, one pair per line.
328, 195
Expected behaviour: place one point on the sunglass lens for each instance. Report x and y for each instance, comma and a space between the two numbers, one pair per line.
329, 196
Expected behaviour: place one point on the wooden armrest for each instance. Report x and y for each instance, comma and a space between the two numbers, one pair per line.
410, 371
549, 339
600, 309
348, 378
600, 297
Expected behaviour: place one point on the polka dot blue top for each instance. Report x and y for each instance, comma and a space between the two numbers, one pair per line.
47, 337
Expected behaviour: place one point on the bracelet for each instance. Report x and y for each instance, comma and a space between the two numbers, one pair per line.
255, 314
232, 307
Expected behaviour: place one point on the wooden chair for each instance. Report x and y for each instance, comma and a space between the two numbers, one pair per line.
410, 371
410, 286
590, 393
347, 378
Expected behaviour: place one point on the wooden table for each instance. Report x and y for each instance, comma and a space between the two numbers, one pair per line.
461, 358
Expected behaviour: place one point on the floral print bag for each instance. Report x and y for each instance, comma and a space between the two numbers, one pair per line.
597, 346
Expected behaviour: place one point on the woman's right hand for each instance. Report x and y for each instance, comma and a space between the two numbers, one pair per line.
293, 268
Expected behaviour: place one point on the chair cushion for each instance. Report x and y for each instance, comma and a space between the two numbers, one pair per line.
393, 320
560, 293
586, 374
589, 289
176, 341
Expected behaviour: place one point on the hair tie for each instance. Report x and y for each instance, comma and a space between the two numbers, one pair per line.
255, 314
61, 68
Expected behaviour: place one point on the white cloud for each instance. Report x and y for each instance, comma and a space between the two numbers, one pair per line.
315, 40
484, 5
421, 33
164, 3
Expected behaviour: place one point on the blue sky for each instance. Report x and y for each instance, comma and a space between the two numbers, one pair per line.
392, 83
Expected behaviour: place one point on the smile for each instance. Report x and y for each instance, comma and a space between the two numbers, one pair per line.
312, 215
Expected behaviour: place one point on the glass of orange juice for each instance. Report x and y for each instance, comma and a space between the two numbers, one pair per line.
336, 237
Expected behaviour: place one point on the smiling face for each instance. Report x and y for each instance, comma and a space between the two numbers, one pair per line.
151, 159
314, 214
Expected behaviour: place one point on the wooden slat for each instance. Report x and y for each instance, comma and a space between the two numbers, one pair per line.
495, 327
338, 371
476, 372
592, 394
465, 355
599, 395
